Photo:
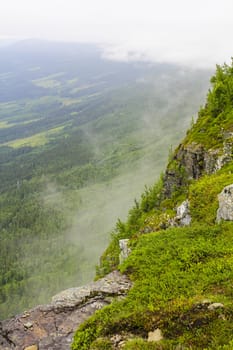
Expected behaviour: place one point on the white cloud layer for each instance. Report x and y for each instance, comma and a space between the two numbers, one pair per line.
192, 31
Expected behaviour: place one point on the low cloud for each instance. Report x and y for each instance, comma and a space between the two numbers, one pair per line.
202, 54
192, 32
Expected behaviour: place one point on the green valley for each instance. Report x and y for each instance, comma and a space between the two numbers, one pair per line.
80, 137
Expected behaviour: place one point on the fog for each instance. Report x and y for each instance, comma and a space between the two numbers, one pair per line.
142, 120
192, 32
161, 126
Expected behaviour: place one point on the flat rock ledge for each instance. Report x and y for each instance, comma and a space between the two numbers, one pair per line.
51, 327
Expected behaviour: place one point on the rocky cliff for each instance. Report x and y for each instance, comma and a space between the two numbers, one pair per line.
52, 326
180, 237
193, 160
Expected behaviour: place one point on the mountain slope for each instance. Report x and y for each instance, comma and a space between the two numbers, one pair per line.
180, 236
79, 138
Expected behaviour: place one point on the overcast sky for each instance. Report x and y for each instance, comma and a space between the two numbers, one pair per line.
192, 31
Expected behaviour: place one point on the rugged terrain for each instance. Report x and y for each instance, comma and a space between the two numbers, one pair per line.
80, 136
175, 248
180, 237
52, 326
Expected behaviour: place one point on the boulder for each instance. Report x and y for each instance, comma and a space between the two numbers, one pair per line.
156, 335
215, 306
225, 210
182, 214
125, 250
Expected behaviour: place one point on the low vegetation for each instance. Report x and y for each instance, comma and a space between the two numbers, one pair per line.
80, 137
182, 276
173, 273
215, 119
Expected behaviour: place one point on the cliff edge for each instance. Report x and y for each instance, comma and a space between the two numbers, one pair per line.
52, 326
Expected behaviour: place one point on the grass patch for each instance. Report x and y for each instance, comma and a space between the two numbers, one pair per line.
5, 125
203, 196
36, 140
217, 116
172, 272
70, 101
48, 82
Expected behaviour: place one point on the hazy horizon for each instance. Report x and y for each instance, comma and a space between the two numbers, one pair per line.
193, 33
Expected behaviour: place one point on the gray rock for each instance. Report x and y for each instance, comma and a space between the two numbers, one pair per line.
193, 160
211, 161
190, 164
226, 155
215, 306
52, 326
28, 325
182, 214
125, 250
225, 210
156, 335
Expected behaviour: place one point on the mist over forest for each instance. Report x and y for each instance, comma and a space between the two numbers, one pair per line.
80, 138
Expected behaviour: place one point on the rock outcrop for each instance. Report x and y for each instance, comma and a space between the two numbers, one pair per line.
124, 250
51, 327
225, 210
187, 163
193, 160
226, 155
183, 217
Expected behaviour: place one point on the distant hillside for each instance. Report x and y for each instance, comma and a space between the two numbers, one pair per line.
80, 136
180, 246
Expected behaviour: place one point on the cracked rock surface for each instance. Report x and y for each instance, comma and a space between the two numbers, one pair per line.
51, 327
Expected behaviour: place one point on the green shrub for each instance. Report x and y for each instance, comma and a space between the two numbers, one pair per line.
217, 115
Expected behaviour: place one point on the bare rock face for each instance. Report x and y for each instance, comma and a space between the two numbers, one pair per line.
225, 210
124, 250
190, 165
51, 327
226, 155
183, 215
193, 160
